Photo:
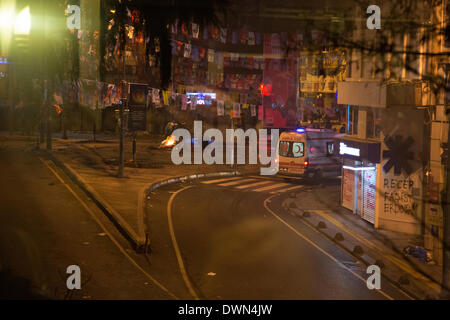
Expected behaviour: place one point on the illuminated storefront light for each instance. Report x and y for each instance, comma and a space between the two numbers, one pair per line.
344, 149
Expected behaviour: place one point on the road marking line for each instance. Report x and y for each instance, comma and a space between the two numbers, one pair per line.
235, 182
220, 180
287, 189
253, 184
317, 247
121, 249
273, 186
177, 248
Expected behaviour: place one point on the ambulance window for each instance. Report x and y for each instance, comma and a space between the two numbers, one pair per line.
330, 148
297, 149
284, 148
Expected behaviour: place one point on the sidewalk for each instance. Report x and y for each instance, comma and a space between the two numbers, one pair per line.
93, 165
322, 211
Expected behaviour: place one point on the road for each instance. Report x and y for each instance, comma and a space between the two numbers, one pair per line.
225, 238
229, 238
47, 224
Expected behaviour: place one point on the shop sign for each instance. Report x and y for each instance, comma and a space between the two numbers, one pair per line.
360, 150
344, 149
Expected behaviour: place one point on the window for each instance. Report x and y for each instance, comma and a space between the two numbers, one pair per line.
377, 122
373, 127
297, 149
370, 125
330, 148
291, 149
284, 148
352, 120
349, 120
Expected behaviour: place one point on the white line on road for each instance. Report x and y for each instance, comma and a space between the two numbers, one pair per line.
287, 189
220, 180
273, 186
121, 249
251, 185
317, 247
177, 248
235, 182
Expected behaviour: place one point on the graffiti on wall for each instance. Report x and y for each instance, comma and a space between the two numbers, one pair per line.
398, 196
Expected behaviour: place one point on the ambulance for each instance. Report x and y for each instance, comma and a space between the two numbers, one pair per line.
309, 153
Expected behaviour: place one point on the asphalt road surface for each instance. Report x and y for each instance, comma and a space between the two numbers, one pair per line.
44, 228
229, 238
223, 238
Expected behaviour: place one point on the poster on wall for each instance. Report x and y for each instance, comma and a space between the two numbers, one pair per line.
280, 83
236, 110
187, 50
252, 110
155, 98
220, 108
223, 35
348, 189
195, 30
260, 113
183, 102
193, 102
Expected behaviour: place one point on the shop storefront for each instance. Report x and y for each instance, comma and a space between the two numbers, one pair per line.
360, 169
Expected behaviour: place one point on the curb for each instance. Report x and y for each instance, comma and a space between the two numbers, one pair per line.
173, 180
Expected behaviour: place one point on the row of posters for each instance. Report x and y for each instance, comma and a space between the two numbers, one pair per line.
222, 35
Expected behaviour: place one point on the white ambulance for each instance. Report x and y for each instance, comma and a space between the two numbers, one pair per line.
309, 153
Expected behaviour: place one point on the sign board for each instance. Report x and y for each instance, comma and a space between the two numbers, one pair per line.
137, 118
202, 98
359, 150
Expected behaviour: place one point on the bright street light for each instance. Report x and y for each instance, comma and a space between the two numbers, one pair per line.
23, 22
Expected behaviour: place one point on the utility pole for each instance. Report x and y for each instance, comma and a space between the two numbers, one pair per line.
123, 101
122, 104
445, 286
46, 71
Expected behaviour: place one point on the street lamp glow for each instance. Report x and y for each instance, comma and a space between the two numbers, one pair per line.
6, 18
23, 22
7, 15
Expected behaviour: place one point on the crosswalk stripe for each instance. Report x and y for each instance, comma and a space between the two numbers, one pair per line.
273, 186
287, 189
235, 182
220, 180
252, 184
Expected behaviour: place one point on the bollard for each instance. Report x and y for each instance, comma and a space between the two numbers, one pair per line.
338, 237
321, 225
